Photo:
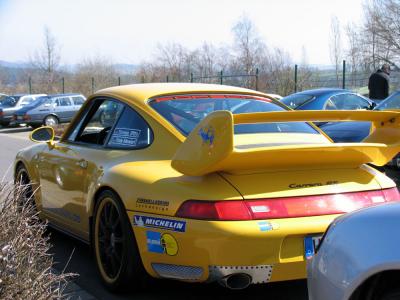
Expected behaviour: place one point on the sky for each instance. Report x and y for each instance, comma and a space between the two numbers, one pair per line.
128, 31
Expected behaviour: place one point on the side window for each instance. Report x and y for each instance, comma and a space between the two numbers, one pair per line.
78, 100
131, 131
64, 101
347, 102
27, 100
101, 118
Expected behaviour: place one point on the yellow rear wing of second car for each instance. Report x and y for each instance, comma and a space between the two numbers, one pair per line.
210, 146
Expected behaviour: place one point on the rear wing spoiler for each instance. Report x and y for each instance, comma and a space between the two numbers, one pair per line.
210, 146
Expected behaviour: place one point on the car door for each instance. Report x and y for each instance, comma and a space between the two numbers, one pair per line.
64, 109
68, 169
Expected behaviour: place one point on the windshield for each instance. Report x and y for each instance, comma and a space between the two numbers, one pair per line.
186, 111
392, 102
10, 100
296, 100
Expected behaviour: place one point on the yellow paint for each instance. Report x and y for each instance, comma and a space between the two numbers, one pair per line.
175, 169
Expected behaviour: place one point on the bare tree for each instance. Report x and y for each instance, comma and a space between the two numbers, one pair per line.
335, 45
47, 58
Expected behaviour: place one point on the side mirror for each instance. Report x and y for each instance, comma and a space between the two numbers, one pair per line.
372, 106
43, 134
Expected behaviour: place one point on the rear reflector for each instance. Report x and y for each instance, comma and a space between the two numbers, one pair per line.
289, 207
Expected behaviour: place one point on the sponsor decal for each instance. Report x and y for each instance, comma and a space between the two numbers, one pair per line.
152, 204
207, 135
169, 243
154, 242
267, 226
125, 137
161, 223
314, 184
161, 243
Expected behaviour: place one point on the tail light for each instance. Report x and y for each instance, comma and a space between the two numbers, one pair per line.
26, 117
1, 113
289, 207
14, 117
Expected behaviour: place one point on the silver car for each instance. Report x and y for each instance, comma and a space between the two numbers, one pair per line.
50, 110
358, 257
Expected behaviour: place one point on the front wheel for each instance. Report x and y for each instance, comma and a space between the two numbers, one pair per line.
117, 256
50, 120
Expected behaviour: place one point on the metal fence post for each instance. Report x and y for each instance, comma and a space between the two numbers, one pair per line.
119, 80
30, 85
221, 77
191, 77
344, 74
92, 85
257, 79
167, 78
63, 85
143, 79
295, 78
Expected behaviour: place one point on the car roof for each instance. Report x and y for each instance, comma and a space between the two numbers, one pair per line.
138, 94
321, 91
65, 95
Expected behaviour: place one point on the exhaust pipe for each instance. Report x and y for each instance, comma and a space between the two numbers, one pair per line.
236, 281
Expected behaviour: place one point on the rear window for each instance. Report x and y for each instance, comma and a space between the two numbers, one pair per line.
186, 111
294, 101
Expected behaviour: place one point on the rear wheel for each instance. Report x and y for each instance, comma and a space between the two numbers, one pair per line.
393, 294
5, 123
117, 256
24, 190
51, 120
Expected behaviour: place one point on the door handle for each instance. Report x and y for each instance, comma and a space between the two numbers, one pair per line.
82, 163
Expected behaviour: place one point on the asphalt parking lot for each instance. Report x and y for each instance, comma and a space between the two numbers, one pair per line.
76, 257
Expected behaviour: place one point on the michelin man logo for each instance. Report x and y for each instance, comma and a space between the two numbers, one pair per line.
139, 221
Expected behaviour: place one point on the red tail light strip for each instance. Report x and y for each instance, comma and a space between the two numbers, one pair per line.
289, 207
208, 96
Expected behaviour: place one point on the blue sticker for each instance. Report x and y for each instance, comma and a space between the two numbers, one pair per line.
207, 135
265, 226
154, 242
160, 223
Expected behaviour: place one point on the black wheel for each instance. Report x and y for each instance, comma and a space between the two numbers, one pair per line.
393, 294
51, 120
4, 124
24, 190
117, 256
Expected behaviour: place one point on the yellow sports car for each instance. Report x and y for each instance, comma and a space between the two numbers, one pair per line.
202, 183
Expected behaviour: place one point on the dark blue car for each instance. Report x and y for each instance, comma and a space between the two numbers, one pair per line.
327, 99
347, 132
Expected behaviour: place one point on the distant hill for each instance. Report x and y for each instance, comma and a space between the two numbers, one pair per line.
120, 68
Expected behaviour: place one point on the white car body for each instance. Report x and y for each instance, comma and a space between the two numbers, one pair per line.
359, 257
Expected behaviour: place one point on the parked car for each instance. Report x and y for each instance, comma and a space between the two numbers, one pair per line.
13, 103
327, 99
358, 257
50, 110
2, 97
348, 132
200, 183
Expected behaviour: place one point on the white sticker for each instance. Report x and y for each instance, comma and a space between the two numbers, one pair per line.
125, 137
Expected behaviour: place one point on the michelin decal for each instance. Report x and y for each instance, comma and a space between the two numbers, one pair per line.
159, 223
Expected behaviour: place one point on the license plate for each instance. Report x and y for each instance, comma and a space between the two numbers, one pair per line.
310, 244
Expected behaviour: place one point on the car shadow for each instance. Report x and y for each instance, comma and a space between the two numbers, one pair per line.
15, 129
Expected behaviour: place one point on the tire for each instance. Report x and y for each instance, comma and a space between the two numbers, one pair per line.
51, 120
393, 294
4, 124
116, 253
25, 192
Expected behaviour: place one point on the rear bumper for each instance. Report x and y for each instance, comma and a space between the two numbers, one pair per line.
212, 250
